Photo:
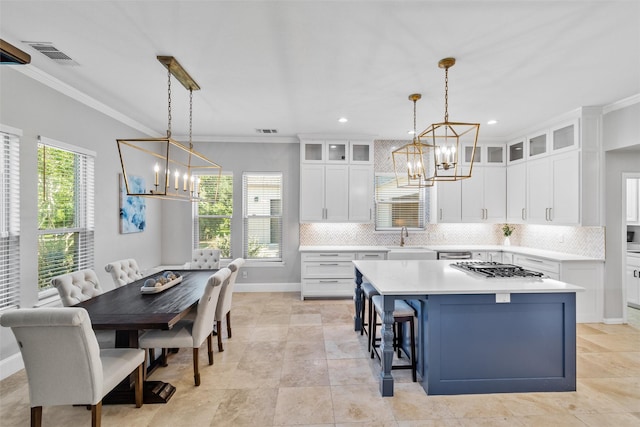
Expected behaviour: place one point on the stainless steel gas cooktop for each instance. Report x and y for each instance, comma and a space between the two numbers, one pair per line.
495, 269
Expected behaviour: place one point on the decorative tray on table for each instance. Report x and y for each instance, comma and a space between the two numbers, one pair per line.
160, 282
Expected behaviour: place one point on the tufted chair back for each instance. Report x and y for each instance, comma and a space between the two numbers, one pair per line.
205, 259
77, 286
124, 271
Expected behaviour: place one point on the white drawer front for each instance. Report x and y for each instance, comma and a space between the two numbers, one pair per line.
327, 287
371, 255
328, 256
328, 269
551, 268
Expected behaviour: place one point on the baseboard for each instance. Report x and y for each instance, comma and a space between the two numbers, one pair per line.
614, 321
267, 287
11, 365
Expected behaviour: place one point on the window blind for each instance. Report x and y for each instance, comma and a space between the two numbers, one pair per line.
65, 210
397, 207
9, 219
212, 219
262, 216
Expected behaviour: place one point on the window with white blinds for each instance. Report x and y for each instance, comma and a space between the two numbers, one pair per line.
9, 219
398, 206
65, 210
262, 216
212, 215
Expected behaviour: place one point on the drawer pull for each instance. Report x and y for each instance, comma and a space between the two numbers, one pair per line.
329, 254
328, 281
330, 264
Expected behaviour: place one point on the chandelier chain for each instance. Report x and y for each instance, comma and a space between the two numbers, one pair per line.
446, 94
190, 116
169, 103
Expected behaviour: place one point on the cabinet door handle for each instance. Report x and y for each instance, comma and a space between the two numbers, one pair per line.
550, 218
486, 214
634, 273
441, 213
523, 214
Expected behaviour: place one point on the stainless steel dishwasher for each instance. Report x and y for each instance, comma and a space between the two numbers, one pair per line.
454, 255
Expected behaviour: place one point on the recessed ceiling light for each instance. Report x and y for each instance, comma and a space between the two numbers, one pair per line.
492, 122
343, 120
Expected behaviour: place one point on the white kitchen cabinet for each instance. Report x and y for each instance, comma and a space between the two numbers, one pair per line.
485, 154
588, 274
483, 196
553, 189
632, 281
324, 193
517, 193
516, 151
330, 274
449, 206
633, 201
336, 181
361, 193
491, 256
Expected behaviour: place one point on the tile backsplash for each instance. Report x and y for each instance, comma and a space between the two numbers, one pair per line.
585, 241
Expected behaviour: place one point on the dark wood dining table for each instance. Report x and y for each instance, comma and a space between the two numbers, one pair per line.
128, 311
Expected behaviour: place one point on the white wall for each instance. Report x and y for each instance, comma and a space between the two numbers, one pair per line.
37, 109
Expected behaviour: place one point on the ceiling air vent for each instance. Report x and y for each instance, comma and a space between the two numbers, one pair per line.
52, 52
267, 131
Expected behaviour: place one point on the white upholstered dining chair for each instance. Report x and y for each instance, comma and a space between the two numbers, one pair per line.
189, 333
63, 362
77, 286
124, 271
224, 305
205, 259
80, 286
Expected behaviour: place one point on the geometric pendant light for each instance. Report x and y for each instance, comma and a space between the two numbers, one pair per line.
169, 169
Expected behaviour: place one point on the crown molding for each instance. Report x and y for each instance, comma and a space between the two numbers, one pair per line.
623, 103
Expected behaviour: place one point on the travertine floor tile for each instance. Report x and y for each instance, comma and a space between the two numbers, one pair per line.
293, 362
304, 405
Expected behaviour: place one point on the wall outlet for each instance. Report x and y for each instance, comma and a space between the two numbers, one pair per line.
245, 274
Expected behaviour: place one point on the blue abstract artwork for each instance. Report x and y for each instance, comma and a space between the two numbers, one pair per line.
133, 209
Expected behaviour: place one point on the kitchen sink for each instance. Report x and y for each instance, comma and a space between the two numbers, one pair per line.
410, 252
407, 248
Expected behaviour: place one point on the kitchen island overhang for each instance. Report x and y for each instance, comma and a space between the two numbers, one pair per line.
477, 335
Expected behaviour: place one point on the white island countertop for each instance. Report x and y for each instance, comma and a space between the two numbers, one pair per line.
410, 277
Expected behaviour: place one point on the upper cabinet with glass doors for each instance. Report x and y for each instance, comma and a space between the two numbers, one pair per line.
336, 151
485, 154
560, 138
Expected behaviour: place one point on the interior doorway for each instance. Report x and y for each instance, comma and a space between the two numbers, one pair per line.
631, 241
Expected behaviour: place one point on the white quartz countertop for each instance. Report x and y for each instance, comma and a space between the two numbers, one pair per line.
550, 255
409, 277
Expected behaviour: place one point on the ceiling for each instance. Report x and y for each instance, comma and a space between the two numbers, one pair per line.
298, 66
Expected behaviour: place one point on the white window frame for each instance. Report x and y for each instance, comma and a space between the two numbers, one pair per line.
197, 216
84, 205
10, 218
384, 205
247, 216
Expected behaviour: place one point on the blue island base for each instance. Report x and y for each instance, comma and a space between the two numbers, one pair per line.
473, 344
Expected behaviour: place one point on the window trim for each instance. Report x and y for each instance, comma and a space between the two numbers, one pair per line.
84, 208
245, 244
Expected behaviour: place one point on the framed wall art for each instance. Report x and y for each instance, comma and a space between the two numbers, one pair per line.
133, 209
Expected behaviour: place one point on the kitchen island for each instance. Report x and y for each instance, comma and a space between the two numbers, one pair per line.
477, 335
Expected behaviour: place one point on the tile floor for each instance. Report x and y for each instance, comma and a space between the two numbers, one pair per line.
300, 363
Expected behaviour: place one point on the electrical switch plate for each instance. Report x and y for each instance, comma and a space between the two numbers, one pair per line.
503, 298
244, 274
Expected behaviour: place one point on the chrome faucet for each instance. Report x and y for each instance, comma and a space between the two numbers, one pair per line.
403, 233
